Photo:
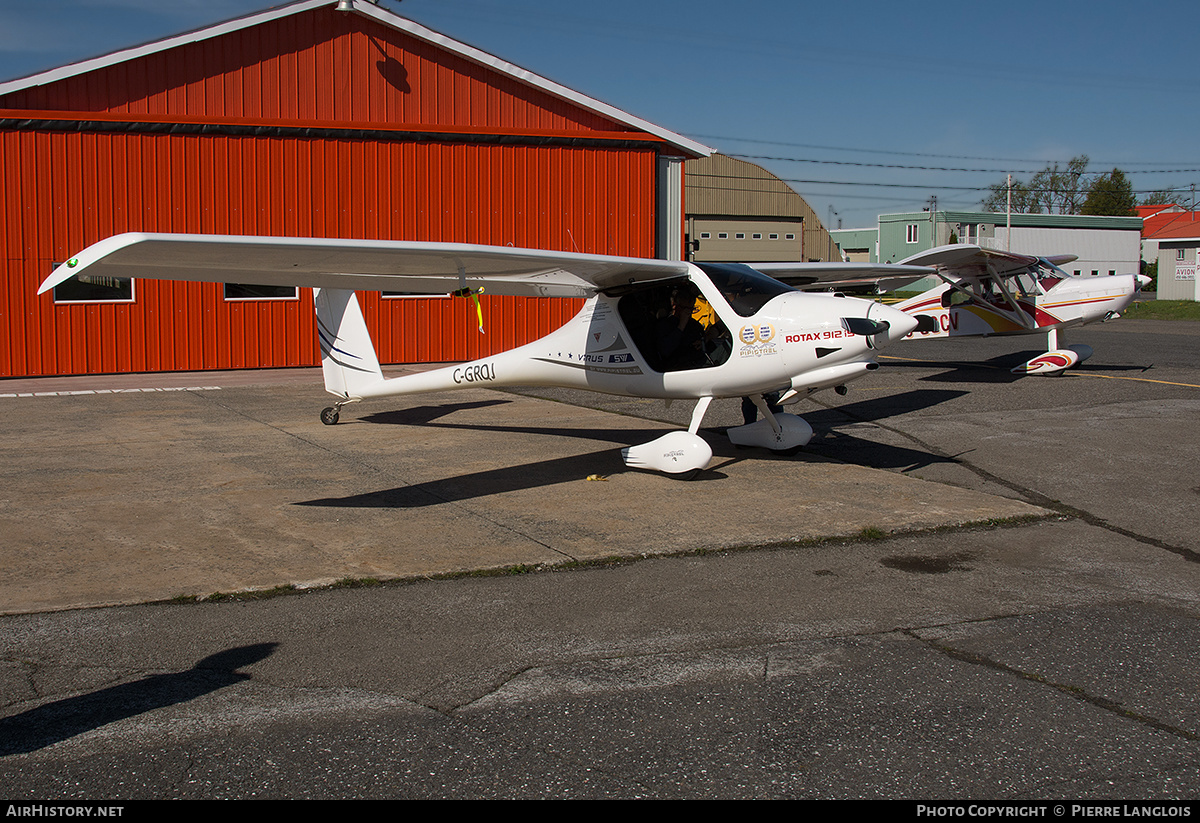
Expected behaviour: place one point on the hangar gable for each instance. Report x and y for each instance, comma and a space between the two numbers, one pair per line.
310, 61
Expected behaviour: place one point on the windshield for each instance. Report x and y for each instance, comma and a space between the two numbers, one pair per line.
745, 289
1049, 275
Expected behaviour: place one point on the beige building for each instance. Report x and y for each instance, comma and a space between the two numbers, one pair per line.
739, 212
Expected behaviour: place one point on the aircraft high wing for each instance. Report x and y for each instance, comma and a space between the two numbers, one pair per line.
369, 265
878, 278
984, 292
635, 335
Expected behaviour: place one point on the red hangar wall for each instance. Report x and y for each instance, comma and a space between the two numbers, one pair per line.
307, 121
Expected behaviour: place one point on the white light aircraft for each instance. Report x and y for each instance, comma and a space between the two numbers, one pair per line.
985, 292
636, 334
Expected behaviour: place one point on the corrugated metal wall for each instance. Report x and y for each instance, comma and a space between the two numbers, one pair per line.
320, 65
254, 132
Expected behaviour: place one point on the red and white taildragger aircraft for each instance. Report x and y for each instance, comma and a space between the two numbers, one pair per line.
984, 292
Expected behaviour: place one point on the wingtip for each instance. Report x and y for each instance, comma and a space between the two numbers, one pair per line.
63, 272
92, 254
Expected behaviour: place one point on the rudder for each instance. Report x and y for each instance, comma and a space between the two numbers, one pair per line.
348, 357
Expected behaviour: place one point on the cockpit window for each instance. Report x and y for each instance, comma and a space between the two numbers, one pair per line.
1026, 284
1049, 275
745, 289
675, 328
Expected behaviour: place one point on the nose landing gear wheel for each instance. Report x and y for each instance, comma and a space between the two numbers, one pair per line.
329, 416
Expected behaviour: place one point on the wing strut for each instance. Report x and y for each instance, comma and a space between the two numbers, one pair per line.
1014, 312
1017, 314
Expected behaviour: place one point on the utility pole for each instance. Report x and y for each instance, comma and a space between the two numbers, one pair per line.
933, 238
1008, 219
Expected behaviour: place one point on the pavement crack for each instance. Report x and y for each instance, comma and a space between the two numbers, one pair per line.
1072, 691
28, 671
1025, 493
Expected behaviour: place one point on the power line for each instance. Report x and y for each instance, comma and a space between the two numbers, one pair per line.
925, 154
839, 195
925, 186
692, 176
927, 168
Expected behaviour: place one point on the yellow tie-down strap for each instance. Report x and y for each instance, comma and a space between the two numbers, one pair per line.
474, 295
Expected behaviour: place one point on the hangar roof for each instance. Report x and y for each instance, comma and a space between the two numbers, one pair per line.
1020, 220
1186, 228
725, 185
387, 18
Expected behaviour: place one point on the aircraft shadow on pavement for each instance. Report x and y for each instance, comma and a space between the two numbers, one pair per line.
498, 480
996, 370
63, 719
828, 444
625, 437
861, 411
1089, 366
839, 447
421, 415
859, 451
880, 408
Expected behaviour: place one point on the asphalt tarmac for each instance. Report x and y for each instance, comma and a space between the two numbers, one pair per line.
970, 585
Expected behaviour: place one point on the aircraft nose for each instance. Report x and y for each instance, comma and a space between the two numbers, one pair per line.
899, 324
1142, 281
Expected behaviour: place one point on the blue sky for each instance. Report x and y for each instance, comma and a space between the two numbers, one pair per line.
842, 100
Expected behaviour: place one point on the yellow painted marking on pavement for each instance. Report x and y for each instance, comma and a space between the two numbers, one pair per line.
1068, 373
910, 359
937, 362
1138, 379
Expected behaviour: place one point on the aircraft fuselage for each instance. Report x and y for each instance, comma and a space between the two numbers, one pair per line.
1072, 301
760, 336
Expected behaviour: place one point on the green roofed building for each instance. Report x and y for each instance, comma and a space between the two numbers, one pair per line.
1104, 245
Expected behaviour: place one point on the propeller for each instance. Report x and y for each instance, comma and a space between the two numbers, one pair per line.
865, 327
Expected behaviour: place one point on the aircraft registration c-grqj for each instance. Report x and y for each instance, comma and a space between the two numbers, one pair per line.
985, 292
635, 335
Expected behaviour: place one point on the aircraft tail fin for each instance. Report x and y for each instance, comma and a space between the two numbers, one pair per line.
348, 356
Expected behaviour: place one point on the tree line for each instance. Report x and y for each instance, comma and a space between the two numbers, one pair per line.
1070, 190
